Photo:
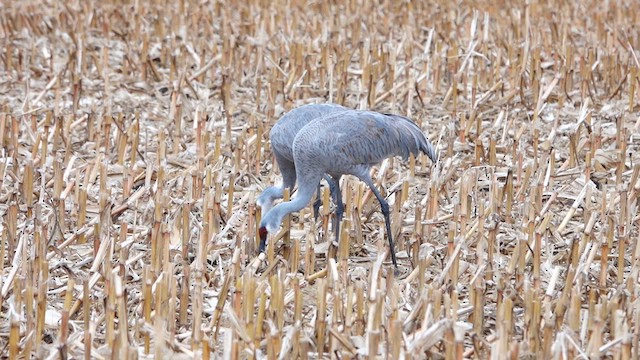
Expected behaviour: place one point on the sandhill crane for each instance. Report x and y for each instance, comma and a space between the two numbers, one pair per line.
348, 142
282, 135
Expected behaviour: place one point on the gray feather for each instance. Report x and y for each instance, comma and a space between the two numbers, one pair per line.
285, 130
282, 135
344, 142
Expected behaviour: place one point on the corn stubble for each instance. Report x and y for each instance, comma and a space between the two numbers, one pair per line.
135, 141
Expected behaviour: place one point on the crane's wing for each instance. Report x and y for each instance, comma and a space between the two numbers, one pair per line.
421, 141
285, 130
356, 137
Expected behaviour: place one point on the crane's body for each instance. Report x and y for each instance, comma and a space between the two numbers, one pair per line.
282, 135
353, 140
347, 143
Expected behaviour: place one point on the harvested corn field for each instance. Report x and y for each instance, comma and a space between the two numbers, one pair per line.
135, 142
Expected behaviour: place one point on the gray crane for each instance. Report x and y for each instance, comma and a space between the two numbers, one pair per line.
282, 135
347, 143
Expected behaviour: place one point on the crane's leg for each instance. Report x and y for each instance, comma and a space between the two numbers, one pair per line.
384, 206
334, 187
316, 204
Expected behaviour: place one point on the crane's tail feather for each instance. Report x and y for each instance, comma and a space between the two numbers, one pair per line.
410, 131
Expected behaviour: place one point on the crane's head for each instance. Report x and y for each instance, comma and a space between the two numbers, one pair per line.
270, 224
263, 232
263, 237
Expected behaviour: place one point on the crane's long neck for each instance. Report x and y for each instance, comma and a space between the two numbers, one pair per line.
303, 196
